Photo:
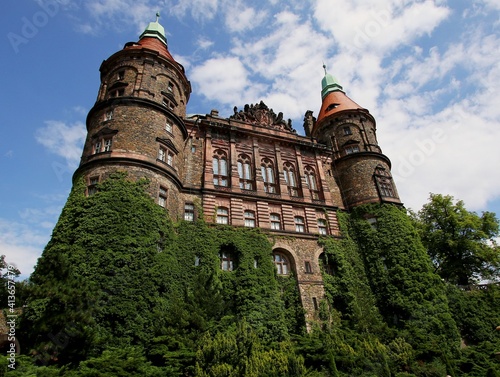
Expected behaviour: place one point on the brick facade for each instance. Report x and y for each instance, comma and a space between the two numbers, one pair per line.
250, 169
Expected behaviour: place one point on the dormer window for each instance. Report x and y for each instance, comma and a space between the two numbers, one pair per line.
332, 106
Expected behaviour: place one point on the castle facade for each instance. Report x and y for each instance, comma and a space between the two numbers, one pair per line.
251, 169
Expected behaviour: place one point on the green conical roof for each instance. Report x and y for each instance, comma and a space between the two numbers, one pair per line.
329, 84
155, 30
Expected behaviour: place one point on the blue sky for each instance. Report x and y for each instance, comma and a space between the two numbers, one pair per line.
429, 72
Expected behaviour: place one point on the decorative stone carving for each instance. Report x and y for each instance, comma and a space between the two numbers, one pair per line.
261, 115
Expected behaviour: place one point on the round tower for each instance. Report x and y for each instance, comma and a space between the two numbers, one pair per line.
361, 170
136, 124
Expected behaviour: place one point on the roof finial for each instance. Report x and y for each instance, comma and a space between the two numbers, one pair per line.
157, 16
324, 67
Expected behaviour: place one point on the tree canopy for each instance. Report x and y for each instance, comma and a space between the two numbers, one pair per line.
460, 243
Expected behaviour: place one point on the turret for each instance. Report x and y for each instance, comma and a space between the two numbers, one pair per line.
136, 124
361, 170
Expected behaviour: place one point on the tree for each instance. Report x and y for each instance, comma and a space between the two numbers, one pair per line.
460, 243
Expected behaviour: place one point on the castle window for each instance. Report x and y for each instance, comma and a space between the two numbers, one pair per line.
168, 127
189, 212
275, 221
170, 87
168, 103
162, 197
117, 92
315, 304
290, 180
92, 187
351, 149
102, 145
197, 261
281, 263
121, 75
267, 171
222, 215
311, 182
245, 172
227, 262
307, 267
162, 154
108, 115
347, 131
170, 158
299, 224
322, 229
220, 168
249, 219
383, 180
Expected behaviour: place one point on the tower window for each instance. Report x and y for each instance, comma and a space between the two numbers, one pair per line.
222, 215
108, 115
351, 149
121, 75
281, 263
162, 154
219, 166
168, 127
267, 171
92, 187
384, 183
102, 145
347, 131
299, 224
245, 172
166, 156
290, 179
170, 158
170, 87
322, 229
189, 212
275, 221
162, 197
249, 219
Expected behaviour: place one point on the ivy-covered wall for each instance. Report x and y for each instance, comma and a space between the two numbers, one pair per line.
122, 290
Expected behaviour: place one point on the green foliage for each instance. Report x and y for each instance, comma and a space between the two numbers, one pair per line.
458, 240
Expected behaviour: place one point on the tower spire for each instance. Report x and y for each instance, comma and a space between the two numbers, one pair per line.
155, 30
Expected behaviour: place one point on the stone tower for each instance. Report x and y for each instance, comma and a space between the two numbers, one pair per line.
136, 124
360, 168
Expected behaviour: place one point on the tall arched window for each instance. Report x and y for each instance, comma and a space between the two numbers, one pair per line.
281, 263
219, 165
311, 182
267, 170
245, 172
290, 179
383, 180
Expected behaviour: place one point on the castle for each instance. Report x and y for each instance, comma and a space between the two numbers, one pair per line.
249, 170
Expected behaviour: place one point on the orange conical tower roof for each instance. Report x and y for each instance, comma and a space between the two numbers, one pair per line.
334, 99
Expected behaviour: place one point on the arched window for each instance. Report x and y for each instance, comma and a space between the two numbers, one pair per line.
245, 172
311, 182
383, 180
290, 179
281, 263
219, 166
267, 170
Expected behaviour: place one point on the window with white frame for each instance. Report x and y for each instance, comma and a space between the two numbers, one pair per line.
322, 227
290, 179
275, 221
219, 167
281, 263
168, 126
170, 158
162, 196
222, 215
227, 261
162, 154
351, 149
92, 187
249, 219
170, 87
245, 172
108, 115
189, 212
267, 170
102, 145
300, 225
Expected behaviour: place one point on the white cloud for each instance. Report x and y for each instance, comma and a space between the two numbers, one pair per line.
63, 140
240, 17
